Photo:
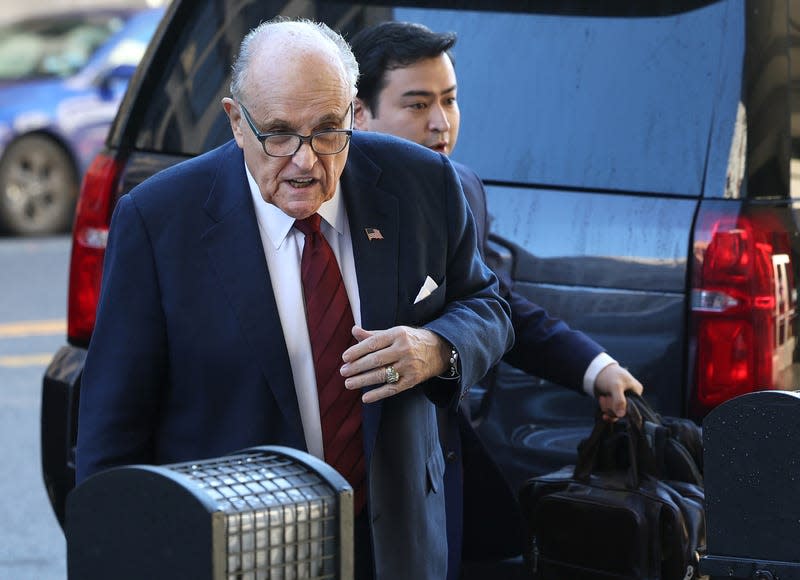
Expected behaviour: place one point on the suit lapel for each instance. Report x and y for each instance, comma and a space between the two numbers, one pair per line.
234, 248
369, 207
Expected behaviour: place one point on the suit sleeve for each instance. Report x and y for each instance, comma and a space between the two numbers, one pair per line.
125, 365
544, 346
475, 319
476, 202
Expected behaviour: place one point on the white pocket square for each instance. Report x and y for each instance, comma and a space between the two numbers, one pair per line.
428, 287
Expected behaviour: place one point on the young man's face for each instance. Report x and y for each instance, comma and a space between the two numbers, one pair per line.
417, 103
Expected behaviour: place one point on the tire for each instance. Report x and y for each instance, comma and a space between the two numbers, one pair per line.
38, 187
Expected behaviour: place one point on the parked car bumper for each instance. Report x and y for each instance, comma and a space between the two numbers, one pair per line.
60, 391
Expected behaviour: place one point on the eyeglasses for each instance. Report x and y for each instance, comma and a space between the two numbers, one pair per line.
285, 144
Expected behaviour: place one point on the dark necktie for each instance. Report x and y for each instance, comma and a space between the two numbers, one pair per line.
330, 321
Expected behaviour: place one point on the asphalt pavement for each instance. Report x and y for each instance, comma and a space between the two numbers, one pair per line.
33, 286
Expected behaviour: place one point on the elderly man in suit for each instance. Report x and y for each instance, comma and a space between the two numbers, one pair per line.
297, 286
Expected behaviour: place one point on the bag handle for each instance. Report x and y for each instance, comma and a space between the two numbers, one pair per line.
641, 460
643, 407
677, 452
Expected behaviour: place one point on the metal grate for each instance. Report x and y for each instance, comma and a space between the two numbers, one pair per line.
281, 519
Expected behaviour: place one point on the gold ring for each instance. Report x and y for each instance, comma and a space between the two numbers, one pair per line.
392, 376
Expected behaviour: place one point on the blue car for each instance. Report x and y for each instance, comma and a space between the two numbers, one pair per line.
62, 78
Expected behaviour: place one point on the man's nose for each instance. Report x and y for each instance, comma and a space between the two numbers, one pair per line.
305, 157
438, 120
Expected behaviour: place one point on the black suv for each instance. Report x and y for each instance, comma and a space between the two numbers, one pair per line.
639, 162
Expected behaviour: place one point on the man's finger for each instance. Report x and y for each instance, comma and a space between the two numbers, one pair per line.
613, 404
361, 334
637, 388
368, 342
619, 403
380, 393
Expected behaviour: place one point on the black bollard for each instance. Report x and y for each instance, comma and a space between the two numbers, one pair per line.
751, 454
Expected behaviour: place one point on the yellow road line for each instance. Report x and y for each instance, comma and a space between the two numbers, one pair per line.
33, 328
26, 360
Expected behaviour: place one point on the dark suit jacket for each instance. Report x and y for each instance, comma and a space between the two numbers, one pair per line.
562, 354
491, 524
188, 359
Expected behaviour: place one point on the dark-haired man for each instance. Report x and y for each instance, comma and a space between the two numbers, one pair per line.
407, 87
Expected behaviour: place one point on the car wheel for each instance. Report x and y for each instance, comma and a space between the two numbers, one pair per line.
38, 187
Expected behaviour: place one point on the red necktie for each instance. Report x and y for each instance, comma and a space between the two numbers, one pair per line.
330, 322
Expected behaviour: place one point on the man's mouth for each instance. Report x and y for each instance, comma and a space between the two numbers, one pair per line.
301, 182
440, 147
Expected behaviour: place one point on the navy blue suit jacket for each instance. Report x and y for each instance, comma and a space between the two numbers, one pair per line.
544, 346
188, 359
491, 526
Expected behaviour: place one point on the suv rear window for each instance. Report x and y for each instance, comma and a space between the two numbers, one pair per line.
582, 129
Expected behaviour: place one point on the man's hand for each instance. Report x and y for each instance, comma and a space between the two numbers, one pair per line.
609, 390
415, 354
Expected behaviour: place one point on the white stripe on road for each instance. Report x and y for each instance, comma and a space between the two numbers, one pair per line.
30, 328
26, 360
33, 328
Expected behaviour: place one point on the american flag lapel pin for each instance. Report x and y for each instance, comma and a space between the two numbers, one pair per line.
373, 234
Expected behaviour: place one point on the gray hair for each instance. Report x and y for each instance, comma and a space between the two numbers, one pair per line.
247, 47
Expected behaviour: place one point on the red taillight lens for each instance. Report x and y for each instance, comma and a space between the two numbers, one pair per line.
742, 306
89, 235
730, 360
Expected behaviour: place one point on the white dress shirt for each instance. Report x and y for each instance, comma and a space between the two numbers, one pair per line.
283, 248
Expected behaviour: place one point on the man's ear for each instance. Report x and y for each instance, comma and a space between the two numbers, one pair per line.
361, 114
235, 119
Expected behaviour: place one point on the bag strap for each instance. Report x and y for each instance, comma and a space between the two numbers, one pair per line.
641, 460
643, 407
672, 458
589, 452
646, 463
589, 448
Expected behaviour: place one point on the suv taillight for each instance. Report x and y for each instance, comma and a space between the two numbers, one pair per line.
743, 304
89, 236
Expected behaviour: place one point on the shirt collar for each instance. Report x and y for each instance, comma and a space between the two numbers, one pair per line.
278, 225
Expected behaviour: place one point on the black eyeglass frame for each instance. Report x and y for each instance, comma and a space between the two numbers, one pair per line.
262, 137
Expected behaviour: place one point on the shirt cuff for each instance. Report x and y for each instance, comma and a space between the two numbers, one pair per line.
600, 362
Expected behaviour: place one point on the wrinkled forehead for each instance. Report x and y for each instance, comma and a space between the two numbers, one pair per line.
302, 92
296, 57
